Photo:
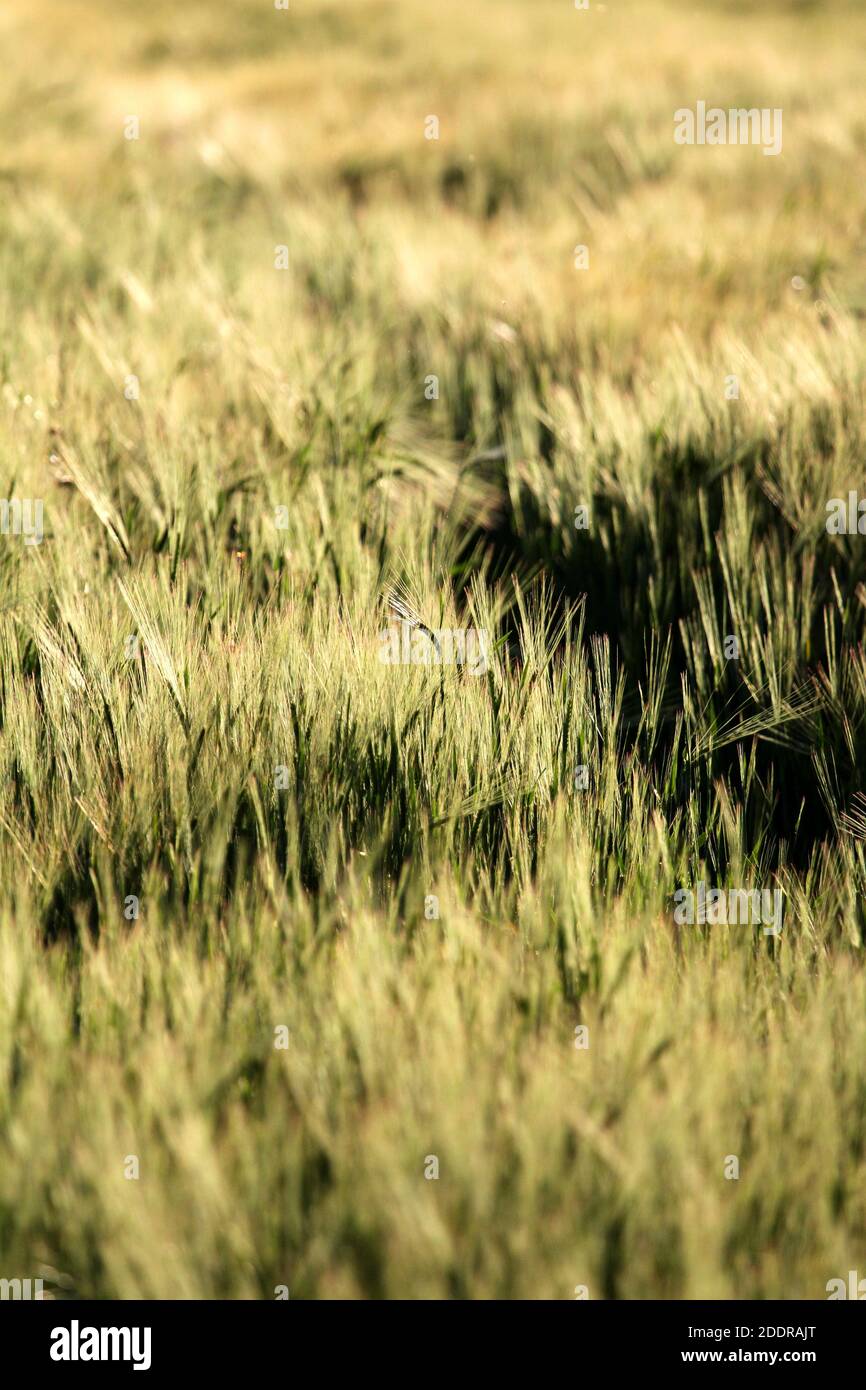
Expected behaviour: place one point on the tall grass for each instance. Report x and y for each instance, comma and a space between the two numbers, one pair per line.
223, 816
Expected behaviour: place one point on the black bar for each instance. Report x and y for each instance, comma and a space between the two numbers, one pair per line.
228, 1338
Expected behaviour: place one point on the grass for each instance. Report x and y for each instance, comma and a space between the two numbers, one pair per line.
222, 816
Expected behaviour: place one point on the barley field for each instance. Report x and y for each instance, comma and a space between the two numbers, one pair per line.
335, 977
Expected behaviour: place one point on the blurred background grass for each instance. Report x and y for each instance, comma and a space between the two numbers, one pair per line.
556, 128
304, 907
